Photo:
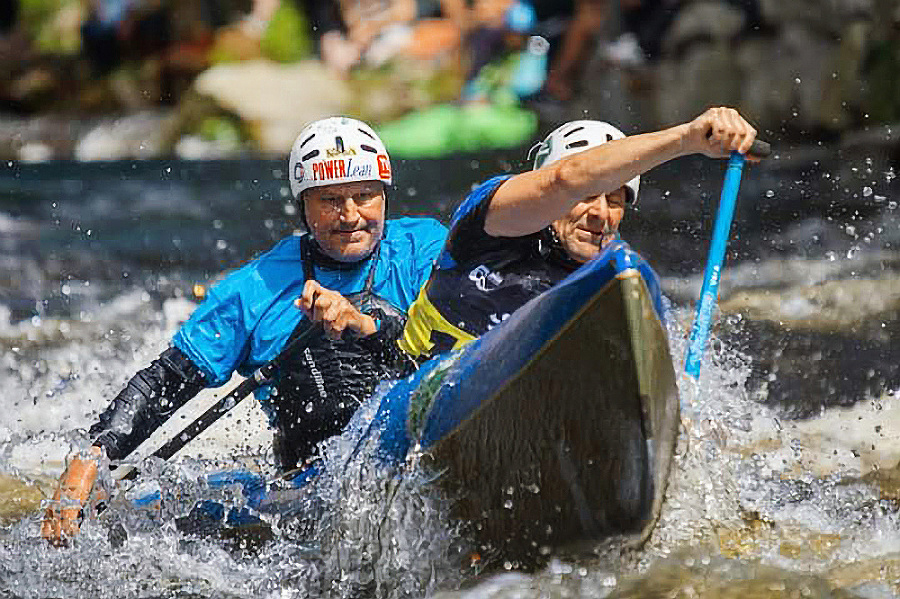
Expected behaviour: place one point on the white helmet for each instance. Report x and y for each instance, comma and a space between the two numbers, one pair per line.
337, 150
577, 136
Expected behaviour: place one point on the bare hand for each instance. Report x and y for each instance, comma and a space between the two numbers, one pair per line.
62, 518
334, 311
718, 132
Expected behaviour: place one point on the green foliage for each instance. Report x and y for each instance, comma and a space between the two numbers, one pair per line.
51, 26
220, 128
286, 38
494, 81
34, 13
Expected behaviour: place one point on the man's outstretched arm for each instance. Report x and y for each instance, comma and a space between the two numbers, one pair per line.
530, 201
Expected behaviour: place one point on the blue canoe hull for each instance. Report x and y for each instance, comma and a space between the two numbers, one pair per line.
557, 426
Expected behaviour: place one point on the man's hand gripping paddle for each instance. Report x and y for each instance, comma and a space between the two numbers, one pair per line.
711, 277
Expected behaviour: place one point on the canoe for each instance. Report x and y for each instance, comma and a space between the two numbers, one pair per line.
555, 429
558, 426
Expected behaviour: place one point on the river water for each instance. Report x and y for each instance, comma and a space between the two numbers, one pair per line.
786, 481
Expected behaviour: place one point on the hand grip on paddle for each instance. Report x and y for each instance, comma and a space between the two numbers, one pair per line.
334, 311
758, 149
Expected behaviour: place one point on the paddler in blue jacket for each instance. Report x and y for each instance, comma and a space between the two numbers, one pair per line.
353, 271
514, 237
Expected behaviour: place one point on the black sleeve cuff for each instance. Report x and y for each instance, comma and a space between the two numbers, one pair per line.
149, 399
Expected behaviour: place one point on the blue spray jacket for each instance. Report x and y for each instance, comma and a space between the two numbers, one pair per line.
246, 320
247, 317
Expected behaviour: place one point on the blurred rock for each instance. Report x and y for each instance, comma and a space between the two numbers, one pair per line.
273, 100
794, 89
215, 137
35, 152
32, 138
133, 136
17, 498
800, 75
705, 75
724, 579
703, 21
194, 147
827, 17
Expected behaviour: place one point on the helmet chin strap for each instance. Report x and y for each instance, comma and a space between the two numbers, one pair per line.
301, 204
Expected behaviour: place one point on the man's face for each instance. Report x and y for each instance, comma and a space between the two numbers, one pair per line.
591, 224
347, 219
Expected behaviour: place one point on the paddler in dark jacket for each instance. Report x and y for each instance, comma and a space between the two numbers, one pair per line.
514, 237
353, 271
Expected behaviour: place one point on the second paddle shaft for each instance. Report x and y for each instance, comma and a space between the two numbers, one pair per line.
710, 290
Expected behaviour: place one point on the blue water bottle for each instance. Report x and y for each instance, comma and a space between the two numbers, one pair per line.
531, 71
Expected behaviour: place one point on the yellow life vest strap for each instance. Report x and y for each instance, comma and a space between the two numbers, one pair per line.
424, 318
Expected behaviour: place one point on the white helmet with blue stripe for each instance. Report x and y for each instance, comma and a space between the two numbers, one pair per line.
577, 136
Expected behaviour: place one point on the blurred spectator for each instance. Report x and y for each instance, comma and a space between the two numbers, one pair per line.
498, 28
350, 32
497, 31
115, 30
359, 23
569, 55
493, 28
646, 22
13, 47
9, 13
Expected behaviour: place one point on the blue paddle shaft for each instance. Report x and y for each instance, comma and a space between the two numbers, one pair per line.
710, 290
